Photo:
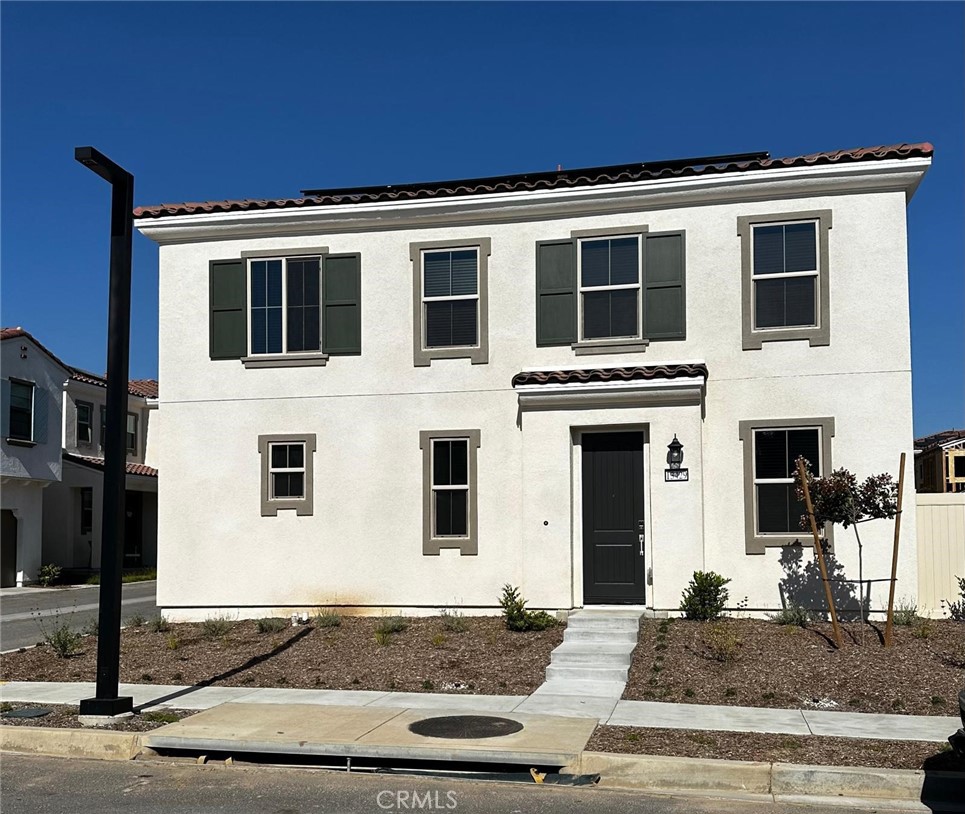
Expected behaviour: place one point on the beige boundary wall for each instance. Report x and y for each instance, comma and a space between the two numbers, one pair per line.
941, 549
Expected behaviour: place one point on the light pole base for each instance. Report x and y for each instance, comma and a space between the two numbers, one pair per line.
106, 707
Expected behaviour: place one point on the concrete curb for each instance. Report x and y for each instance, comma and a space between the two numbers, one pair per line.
897, 789
87, 743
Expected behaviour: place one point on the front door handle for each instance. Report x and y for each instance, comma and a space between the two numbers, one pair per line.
641, 536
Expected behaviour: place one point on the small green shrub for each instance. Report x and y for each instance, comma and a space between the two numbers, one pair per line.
136, 620
453, 621
161, 717
48, 574
147, 677
160, 625
5, 706
215, 627
382, 638
517, 618
689, 693
721, 642
730, 692
956, 609
391, 624
923, 628
271, 624
793, 615
328, 617
438, 639
172, 642
428, 685
937, 701
906, 613
177, 677
62, 638
705, 597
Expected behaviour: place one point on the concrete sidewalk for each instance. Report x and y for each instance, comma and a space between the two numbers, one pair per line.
656, 714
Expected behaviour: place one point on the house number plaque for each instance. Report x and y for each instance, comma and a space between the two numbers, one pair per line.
670, 475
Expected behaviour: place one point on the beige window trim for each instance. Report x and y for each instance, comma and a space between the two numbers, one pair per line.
469, 545
477, 354
755, 543
302, 506
816, 335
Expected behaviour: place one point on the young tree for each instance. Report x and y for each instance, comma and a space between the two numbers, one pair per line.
839, 498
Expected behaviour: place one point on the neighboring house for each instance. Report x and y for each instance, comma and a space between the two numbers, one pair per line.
940, 462
408, 396
62, 523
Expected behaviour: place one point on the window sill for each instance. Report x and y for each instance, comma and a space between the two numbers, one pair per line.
20, 442
286, 360
601, 346
814, 335
476, 354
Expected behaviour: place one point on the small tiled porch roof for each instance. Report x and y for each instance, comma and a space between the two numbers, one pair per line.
98, 463
611, 374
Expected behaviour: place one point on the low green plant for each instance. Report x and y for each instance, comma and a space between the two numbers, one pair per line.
956, 609
438, 639
768, 696
391, 624
730, 692
159, 624
632, 736
172, 642
5, 706
161, 717
327, 617
215, 627
518, 618
428, 685
721, 642
689, 693
705, 597
923, 628
147, 677
135, 620
905, 613
136, 575
453, 621
48, 574
177, 677
62, 638
271, 624
937, 701
382, 638
794, 615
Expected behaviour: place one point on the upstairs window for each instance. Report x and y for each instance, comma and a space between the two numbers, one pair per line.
285, 305
131, 434
85, 423
785, 275
450, 296
610, 288
20, 427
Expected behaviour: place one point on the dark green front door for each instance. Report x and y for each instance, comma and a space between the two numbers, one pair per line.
614, 568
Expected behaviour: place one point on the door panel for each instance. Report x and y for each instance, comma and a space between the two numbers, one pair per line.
8, 549
132, 530
614, 569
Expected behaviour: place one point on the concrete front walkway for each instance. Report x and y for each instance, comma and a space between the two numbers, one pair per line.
657, 714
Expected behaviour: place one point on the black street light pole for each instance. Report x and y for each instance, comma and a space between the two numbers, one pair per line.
107, 701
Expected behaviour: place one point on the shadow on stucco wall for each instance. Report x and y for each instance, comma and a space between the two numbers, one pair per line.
802, 586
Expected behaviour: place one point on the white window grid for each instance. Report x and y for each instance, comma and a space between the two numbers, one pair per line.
284, 300
625, 286
755, 277
33, 398
273, 470
761, 481
450, 488
87, 427
450, 298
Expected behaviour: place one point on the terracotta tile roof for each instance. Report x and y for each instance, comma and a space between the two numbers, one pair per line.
15, 333
98, 463
610, 374
939, 438
146, 388
560, 179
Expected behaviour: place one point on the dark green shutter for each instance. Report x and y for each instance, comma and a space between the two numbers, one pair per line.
228, 328
342, 304
664, 294
41, 415
555, 293
4, 407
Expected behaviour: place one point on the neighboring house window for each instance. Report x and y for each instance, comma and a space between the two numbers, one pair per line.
85, 423
771, 448
450, 301
86, 509
449, 486
785, 277
286, 473
285, 305
610, 288
21, 411
103, 436
132, 433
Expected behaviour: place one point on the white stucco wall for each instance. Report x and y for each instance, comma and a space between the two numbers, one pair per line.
362, 546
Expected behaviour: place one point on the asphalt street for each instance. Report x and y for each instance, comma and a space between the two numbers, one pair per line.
24, 612
40, 785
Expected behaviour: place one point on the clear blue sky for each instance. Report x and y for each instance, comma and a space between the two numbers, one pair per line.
234, 100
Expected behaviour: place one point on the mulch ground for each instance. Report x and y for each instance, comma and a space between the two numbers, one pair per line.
775, 748
484, 658
756, 663
65, 717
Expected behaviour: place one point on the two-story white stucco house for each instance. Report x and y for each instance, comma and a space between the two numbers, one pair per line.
408, 396
53, 463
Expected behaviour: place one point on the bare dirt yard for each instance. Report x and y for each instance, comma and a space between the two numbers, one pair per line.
757, 663
776, 748
430, 654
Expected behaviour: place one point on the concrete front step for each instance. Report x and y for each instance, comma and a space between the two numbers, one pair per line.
602, 636
590, 656
585, 672
574, 623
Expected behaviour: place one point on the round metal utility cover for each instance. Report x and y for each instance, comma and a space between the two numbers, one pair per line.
30, 712
465, 726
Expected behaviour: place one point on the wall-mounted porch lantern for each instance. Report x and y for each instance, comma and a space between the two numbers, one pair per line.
675, 457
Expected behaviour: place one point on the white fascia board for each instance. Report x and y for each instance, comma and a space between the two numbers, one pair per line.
890, 175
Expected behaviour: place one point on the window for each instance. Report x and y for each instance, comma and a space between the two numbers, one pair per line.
21, 411
131, 434
785, 277
450, 301
286, 473
771, 449
610, 288
285, 305
85, 423
86, 509
449, 486
103, 435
